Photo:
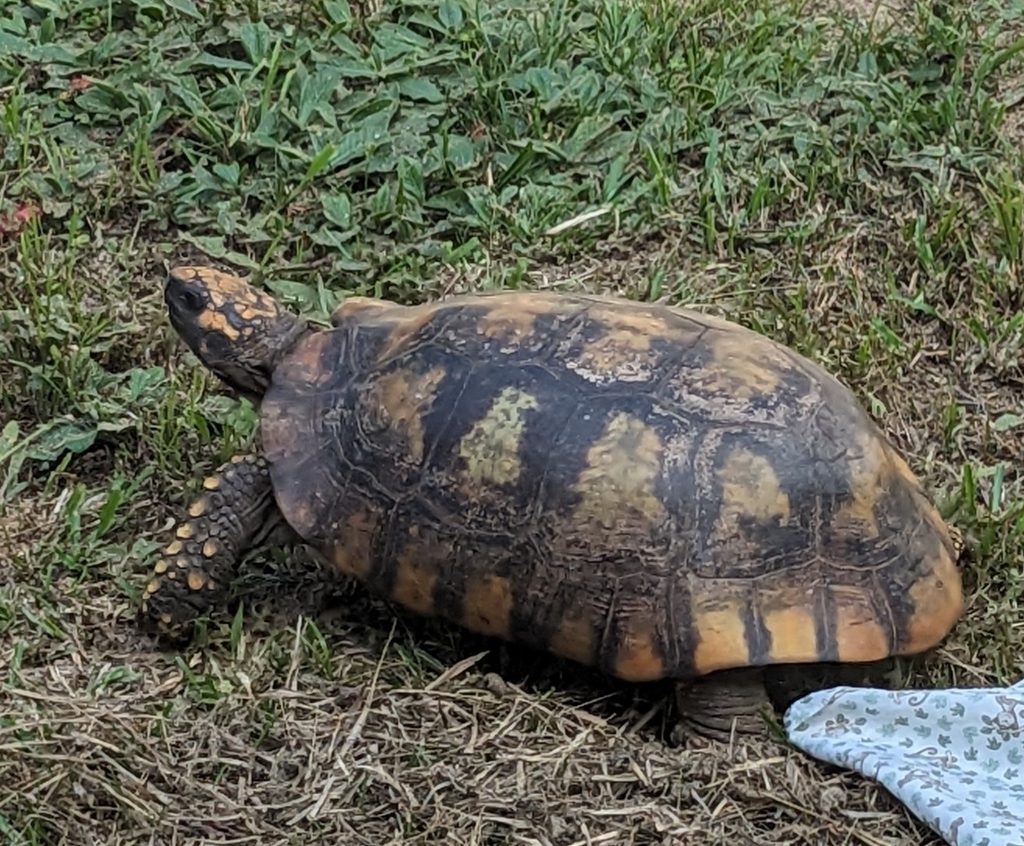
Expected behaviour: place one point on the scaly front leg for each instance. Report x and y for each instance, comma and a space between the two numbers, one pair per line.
235, 512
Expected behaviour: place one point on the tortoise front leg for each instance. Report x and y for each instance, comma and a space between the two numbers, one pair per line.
236, 511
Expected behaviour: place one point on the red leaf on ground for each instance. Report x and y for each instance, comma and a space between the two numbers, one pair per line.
13, 221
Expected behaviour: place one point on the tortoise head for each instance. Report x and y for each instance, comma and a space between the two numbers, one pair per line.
237, 331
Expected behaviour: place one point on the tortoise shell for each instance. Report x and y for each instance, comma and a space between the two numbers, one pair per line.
638, 488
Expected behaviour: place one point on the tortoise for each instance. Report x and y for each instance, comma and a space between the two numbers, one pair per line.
639, 488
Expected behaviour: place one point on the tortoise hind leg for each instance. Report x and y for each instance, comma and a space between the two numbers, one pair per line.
724, 704
235, 512
743, 702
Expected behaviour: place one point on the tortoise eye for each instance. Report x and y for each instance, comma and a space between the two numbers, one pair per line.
192, 300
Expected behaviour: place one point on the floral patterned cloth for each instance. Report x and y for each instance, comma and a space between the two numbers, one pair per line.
954, 757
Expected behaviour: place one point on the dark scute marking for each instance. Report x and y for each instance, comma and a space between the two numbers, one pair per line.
669, 356
554, 591
376, 445
371, 335
700, 353
795, 384
445, 429
533, 613
472, 556
678, 490
825, 633
551, 603
912, 542
573, 334
355, 469
394, 535
759, 639
584, 427
815, 489
365, 342
691, 387
300, 456
315, 487
661, 358
680, 643
443, 329
484, 383
456, 400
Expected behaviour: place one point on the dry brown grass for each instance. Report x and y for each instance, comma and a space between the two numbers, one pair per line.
374, 756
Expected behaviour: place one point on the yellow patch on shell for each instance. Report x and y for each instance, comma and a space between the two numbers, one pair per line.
184, 531
196, 580
352, 553
719, 625
511, 317
360, 308
575, 639
617, 487
868, 482
211, 483
405, 322
630, 320
860, 636
745, 365
637, 656
211, 548
152, 587
791, 627
197, 508
621, 354
415, 577
487, 606
161, 566
173, 548
857, 516
400, 399
938, 605
491, 448
750, 489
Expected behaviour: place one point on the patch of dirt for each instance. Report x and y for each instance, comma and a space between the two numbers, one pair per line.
881, 13
1011, 91
20, 523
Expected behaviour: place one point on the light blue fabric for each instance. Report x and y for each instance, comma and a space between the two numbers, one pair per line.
954, 757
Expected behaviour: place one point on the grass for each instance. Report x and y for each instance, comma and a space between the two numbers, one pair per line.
850, 185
